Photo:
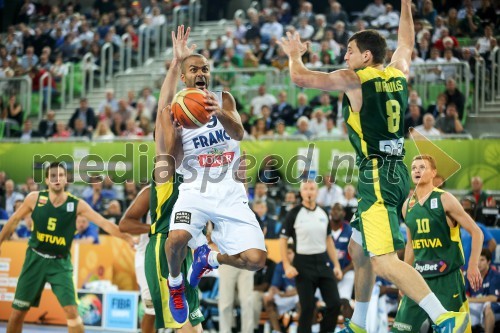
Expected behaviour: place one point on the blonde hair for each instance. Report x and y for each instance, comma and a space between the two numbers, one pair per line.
428, 158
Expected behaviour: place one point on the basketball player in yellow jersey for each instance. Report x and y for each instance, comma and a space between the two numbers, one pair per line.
374, 100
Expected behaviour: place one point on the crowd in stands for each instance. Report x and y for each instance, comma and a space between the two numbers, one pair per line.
45, 38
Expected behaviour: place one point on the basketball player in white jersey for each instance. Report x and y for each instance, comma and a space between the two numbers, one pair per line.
210, 191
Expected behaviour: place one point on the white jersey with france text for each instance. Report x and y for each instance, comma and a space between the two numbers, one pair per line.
210, 154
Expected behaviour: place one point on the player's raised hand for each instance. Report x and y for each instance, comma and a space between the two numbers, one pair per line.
474, 277
179, 43
292, 46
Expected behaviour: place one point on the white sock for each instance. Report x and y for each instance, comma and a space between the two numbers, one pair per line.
174, 281
432, 306
360, 312
212, 259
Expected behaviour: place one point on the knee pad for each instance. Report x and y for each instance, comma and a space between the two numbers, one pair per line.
149, 307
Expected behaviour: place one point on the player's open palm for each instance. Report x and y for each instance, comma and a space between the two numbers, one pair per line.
292, 46
179, 43
474, 277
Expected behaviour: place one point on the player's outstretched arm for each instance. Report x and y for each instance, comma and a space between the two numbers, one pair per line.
85, 210
454, 209
131, 220
168, 145
24, 210
339, 80
401, 58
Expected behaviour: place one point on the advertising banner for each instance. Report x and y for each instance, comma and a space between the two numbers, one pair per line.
120, 310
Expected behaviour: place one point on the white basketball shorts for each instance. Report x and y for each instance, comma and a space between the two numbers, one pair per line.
225, 204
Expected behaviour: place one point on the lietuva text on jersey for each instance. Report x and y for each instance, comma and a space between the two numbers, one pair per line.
51, 239
426, 243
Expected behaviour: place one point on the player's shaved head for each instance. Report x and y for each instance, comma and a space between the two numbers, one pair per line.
187, 59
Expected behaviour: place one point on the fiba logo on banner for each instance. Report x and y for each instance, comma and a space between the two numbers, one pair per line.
121, 310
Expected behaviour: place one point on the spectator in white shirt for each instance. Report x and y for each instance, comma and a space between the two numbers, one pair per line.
449, 71
374, 10
305, 30
317, 124
314, 61
272, 28
427, 129
349, 201
330, 193
434, 73
109, 100
239, 29
331, 128
483, 44
415, 60
158, 18
439, 26
29, 59
263, 98
11, 196
388, 21
149, 101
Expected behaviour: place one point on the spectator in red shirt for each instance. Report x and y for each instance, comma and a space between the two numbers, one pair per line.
61, 131
445, 33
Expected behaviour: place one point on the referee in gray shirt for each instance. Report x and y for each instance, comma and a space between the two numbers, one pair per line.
308, 225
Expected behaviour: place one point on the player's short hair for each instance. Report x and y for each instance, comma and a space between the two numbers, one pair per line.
54, 165
428, 158
486, 253
372, 41
183, 63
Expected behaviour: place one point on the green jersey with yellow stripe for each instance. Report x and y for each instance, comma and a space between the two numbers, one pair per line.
378, 128
161, 202
53, 227
436, 245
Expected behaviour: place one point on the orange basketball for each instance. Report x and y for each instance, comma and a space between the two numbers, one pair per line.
188, 107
